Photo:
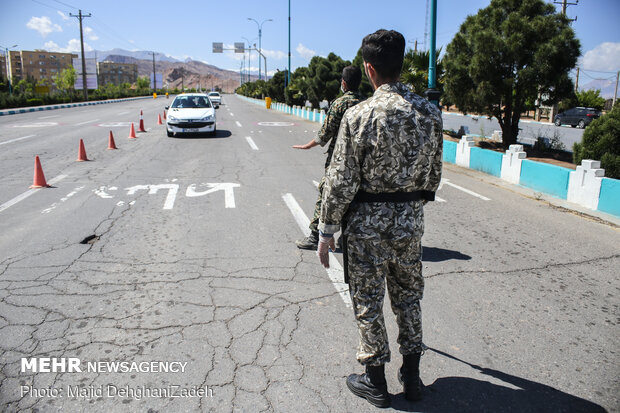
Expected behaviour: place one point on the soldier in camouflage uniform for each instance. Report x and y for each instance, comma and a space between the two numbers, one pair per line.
386, 165
351, 79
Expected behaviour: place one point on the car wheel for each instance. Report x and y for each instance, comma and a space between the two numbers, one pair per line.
170, 134
558, 122
581, 124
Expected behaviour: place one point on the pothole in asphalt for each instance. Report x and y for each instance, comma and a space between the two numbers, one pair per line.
91, 239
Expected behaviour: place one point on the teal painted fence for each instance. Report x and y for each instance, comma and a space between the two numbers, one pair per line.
546, 178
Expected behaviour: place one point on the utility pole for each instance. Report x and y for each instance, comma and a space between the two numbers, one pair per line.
565, 4
288, 73
80, 16
154, 77
616, 91
577, 81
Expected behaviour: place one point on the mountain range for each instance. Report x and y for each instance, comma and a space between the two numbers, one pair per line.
176, 73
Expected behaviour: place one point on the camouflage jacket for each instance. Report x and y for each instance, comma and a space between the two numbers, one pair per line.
329, 129
391, 142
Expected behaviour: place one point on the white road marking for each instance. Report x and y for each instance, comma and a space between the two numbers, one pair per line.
49, 117
88, 121
18, 139
315, 183
64, 199
122, 113
232, 114
28, 193
439, 199
467, 191
251, 143
227, 187
335, 271
238, 124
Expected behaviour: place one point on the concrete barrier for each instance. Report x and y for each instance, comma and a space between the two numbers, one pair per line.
463, 150
486, 161
609, 197
449, 151
511, 164
584, 184
16, 111
545, 178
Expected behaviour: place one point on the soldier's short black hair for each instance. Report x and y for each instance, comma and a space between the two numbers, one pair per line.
384, 50
353, 76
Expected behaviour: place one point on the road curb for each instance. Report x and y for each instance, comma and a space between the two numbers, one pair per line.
17, 111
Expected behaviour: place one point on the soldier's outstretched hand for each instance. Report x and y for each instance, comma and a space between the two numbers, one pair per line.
325, 244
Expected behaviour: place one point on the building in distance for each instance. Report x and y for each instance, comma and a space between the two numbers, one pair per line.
37, 64
116, 73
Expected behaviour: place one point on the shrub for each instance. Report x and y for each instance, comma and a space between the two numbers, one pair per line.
601, 141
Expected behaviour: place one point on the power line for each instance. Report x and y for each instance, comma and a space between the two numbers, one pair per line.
65, 4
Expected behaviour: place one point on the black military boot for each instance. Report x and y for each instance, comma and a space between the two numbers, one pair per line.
311, 242
371, 386
409, 377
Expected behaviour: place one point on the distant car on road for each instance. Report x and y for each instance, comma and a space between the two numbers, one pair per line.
216, 99
191, 113
579, 117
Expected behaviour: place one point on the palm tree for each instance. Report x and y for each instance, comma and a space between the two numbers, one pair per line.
415, 71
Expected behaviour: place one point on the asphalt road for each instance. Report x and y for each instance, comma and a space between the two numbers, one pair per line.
193, 261
563, 136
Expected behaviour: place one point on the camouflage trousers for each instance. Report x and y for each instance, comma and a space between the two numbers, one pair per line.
314, 222
372, 264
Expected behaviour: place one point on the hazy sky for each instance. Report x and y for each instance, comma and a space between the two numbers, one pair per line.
187, 28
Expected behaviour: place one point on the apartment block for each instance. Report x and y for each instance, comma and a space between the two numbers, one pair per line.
37, 64
116, 73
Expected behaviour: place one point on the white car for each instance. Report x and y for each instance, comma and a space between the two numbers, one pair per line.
216, 99
191, 113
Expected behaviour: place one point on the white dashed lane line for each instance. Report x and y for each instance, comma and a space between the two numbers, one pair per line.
251, 143
238, 123
17, 139
49, 117
460, 188
88, 121
28, 193
335, 271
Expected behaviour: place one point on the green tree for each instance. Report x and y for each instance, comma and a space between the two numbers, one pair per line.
511, 51
601, 141
296, 90
65, 79
365, 87
143, 82
590, 99
324, 78
415, 71
275, 86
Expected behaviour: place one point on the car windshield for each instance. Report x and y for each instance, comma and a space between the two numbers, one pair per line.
198, 102
214, 94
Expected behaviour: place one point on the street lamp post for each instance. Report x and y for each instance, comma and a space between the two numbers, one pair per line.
249, 77
7, 64
432, 93
260, 49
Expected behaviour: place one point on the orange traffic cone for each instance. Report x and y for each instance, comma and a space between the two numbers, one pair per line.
111, 143
164, 115
159, 119
39, 177
82, 153
141, 128
132, 132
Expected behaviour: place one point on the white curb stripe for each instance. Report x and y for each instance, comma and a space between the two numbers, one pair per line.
335, 271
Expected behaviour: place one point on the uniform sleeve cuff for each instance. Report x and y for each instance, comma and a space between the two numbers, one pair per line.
328, 229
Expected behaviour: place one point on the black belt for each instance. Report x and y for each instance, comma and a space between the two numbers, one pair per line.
398, 196
363, 196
